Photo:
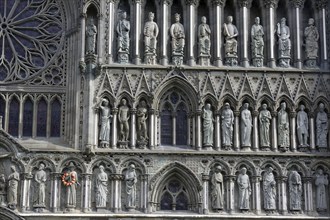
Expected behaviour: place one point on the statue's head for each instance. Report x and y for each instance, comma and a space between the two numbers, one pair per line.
270, 169
227, 106
208, 106
321, 107
283, 21
302, 107
41, 166
177, 17
71, 166
320, 171
151, 16
203, 19
143, 103
246, 105
218, 168
264, 106
13, 168
105, 102
132, 166
230, 19
123, 102
101, 167
257, 20
243, 170
124, 15
283, 105
311, 21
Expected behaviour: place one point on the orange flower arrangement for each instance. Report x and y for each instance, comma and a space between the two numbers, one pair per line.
68, 179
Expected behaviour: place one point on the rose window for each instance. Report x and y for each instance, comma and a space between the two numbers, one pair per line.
31, 38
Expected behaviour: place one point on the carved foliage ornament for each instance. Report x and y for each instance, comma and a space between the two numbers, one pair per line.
192, 2
245, 3
297, 3
320, 4
270, 3
219, 2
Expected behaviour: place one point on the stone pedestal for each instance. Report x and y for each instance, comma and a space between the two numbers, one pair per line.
231, 60
150, 58
122, 57
258, 61
311, 63
123, 144
284, 61
265, 148
39, 208
207, 147
142, 144
177, 59
204, 60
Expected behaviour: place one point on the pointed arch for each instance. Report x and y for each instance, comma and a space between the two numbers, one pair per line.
107, 95
224, 166
305, 101
28, 110
248, 165
321, 99
246, 98
268, 100
78, 162
125, 95
277, 168
300, 166
230, 99
287, 100
142, 96
208, 97
14, 109
39, 160
102, 160
128, 160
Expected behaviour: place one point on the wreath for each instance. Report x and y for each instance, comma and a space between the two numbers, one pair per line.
68, 179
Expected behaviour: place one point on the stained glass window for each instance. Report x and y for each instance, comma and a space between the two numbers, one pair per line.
13, 117
174, 196
166, 201
42, 118
28, 118
55, 129
181, 125
166, 126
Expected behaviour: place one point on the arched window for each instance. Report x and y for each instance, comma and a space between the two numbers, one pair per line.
166, 128
2, 110
28, 118
55, 129
174, 196
13, 117
42, 118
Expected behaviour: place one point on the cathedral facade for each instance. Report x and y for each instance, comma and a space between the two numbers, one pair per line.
164, 109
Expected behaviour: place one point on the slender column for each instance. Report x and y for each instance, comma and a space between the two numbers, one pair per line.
133, 128
83, 17
100, 38
312, 131
256, 194
114, 128
282, 197
205, 178
20, 118
245, 6
116, 192
293, 136
230, 193
157, 127
255, 138
308, 194
152, 135
188, 130
217, 145
198, 130
274, 131
1, 122
174, 128
192, 21
194, 131
55, 192
216, 24
328, 133
48, 119
321, 6
236, 131
87, 188
164, 31
297, 6
137, 31
111, 21
26, 191
7, 115
144, 192
271, 5
34, 123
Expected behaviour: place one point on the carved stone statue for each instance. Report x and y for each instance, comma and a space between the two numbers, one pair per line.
101, 188
230, 32
284, 43
257, 43
131, 180
2, 190
283, 128
142, 116
217, 193
105, 116
246, 126
321, 127
123, 29
150, 39
311, 43
40, 177
302, 126
207, 126
204, 44
91, 31
178, 41
321, 183
295, 191
13, 180
227, 124
123, 117
264, 119
269, 189
244, 190
71, 199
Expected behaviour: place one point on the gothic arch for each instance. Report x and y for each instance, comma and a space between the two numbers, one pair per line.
127, 96
248, 165
305, 101
79, 164
91, 4
10, 144
324, 165
287, 100
8, 214
266, 99
230, 99
317, 101
277, 168
210, 98
125, 162
300, 166
100, 160
39, 160
106, 94
247, 99
142, 96
224, 166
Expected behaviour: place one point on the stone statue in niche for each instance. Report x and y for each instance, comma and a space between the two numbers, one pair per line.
264, 119
230, 32
13, 181
269, 190
40, 178
178, 41
207, 126
104, 136
283, 128
123, 29
123, 117
295, 191
321, 127
204, 42
142, 116
91, 32
217, 193
321, 183
284, 44
244, 190
101, 188
227, 124
302, 127
131, 180
2, 190
71, 192
246, 126
150, 32
311, 43
257, 43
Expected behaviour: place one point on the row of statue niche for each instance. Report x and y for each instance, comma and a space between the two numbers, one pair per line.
230, 32
283, 128
9, 190
268, 189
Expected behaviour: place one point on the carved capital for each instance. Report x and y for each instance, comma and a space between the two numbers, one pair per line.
205, 177
255, 113
198, 112
151, 111
282, 179
27, 176
114, 111
297, 3
136, 1
320, 4
230, 178
83, 15
166, 2
112, 1
245, 3
274, 114
237, 113
270, 3
192, 2
307, 179
116, 176
87, 176
218, 2
256, 179
293, 114
133, 111
311, 114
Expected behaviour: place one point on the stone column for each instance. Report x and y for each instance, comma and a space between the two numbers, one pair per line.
217, 132
230, 193
198, 130
115, 203
297, 7
274, 131
25, 192
165, 5
188, 129
245, 6
174, 128
256, 195
216, 24
100, 38
55, 192
271, 6
87, 190
206, 178
151, 129
137, 31
308, 194
312, 131
133, 128
236, 131
282, 197
83, 17
114, 128
144, 193
328, 133
255, 131
293, 136
157, 127
20, 118
1, 122
321, 11
192, 25
111, 29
